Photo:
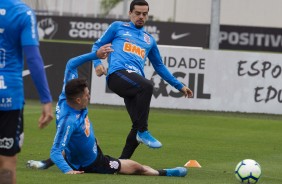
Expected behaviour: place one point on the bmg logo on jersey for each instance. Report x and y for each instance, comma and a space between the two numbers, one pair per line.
134, 49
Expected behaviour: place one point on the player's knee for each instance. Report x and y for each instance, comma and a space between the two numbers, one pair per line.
138, 169
149, 87
135, 167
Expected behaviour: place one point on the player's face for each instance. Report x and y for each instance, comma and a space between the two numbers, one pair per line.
139, 15
85, 98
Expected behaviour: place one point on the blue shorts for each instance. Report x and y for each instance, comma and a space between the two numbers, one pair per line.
11, 132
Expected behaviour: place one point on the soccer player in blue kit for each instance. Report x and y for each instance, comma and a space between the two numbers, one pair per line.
74, 128
131, 45
18, 35
126, 76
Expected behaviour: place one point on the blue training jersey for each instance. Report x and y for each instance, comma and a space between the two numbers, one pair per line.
17, 30
75, 134
131, 48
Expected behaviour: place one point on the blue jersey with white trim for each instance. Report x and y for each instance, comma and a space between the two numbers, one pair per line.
131, 48
75, 134
17, 29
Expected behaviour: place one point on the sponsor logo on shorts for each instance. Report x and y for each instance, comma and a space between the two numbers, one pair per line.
6, 143
114, 164
21, 140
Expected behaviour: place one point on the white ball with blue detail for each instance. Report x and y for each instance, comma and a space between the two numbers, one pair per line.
248, 171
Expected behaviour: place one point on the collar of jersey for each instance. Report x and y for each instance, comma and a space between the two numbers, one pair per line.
132, 25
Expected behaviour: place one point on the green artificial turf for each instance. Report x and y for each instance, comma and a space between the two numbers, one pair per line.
218, 141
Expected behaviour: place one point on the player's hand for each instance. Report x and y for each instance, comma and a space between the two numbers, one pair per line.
187, 92
46, 116
100, 70
104, 51
75, 172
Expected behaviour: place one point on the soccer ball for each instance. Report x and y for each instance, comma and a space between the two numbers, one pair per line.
248, 171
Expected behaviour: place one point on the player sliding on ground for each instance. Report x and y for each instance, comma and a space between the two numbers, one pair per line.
74, 128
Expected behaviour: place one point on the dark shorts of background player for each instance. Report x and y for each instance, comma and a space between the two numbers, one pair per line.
103, 164
11, 132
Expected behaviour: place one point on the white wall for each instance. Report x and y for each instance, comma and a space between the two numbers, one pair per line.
262, 13
265, 13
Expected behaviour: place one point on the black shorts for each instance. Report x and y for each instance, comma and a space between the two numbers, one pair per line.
11, 132
103, 164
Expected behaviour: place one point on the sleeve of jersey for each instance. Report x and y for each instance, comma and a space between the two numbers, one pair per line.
106, 38
64, 131
35, 65
29, 34
74, 63
156, 60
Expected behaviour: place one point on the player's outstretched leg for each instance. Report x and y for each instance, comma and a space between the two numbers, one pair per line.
44, 164
147, 139
132, 167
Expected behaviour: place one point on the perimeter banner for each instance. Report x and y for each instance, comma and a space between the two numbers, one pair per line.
220, 80
91, 29
250, 38
83, 29
55, 57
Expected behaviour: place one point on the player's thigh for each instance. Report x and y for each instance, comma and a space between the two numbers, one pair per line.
126, 83
11, 132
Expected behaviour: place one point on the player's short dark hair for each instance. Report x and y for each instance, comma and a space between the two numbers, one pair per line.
75, 88
138, 2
